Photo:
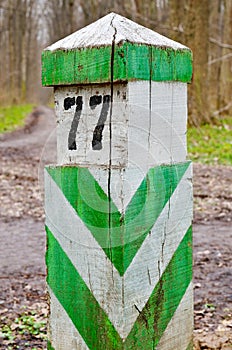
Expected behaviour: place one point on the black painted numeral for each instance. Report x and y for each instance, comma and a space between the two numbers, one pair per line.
94, 101
72, 133
97, 134
69, 102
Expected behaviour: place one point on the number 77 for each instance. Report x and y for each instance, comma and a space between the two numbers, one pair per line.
97, 133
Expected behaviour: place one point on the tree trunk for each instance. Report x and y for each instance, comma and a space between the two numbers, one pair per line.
197, 38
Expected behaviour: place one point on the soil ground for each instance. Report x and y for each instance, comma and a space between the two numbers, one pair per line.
22, 268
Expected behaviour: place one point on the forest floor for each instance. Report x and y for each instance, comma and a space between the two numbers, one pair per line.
23, 299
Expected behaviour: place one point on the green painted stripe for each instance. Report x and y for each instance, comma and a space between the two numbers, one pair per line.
131, 61
190, 346
164, 300
122, 238
49, 346
92, 322
79, 66
85, 195
76, 298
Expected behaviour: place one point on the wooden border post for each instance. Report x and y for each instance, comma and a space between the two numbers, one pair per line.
119, 203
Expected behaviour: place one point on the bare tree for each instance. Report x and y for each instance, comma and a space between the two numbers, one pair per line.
196, 36
26, 26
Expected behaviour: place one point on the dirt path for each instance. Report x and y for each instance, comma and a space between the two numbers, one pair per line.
22, 268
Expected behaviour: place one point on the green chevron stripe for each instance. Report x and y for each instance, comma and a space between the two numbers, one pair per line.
123, 236
161, 306
76, 298
92, 322
190, 346
49, 346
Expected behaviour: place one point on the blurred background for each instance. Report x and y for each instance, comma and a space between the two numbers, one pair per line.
27, 26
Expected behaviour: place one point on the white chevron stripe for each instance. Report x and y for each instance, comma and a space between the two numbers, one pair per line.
183, 316
61, 328
123, 181
158, 248
118, 295
84, 252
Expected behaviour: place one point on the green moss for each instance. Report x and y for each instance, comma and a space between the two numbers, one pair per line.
12, 117
26, 326
211, 144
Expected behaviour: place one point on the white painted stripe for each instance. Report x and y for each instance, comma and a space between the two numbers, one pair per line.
175, 337
151, 260
123, 184
96, 269
85, 253
61, 329
159, 247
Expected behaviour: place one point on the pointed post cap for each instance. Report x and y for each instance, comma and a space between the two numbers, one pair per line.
113, 49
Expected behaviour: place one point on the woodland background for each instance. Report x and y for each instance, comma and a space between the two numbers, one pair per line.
27, 26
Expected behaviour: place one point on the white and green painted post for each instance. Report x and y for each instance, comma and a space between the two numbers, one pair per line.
119, 202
